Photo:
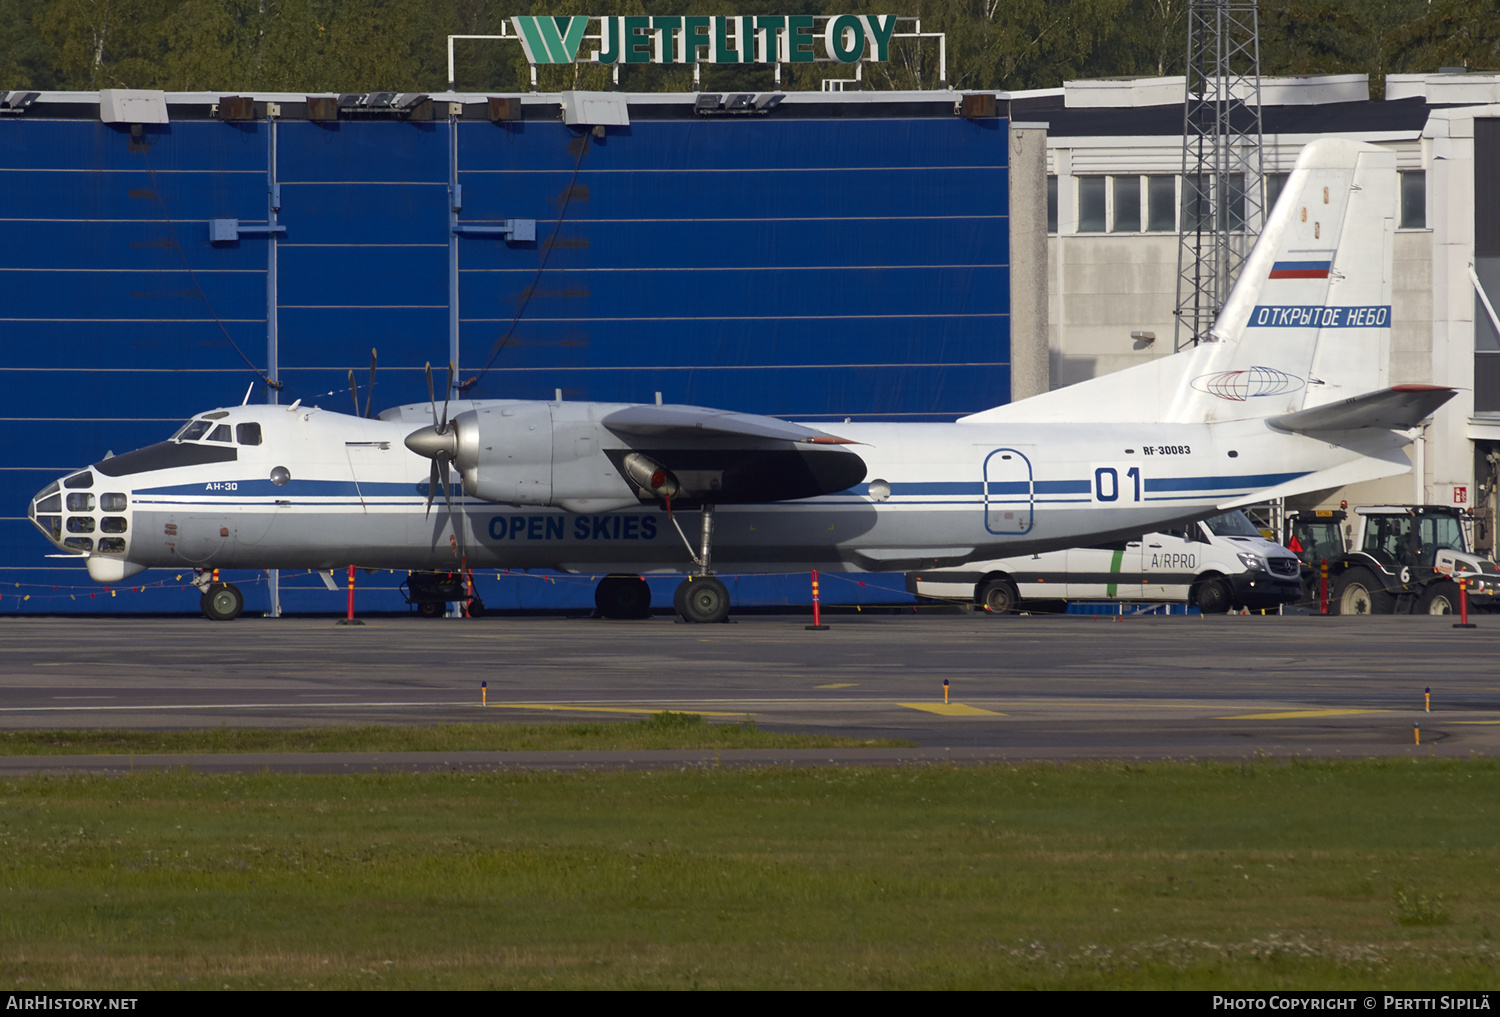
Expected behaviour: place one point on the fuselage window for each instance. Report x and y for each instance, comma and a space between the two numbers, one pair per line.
115, 545
80, 502
112, 524
113, 502
221, 433
80, 524
193, 430
247, 434
79, 543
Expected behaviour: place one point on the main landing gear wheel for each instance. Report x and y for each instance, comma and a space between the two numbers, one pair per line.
222, 602
1359, 592
999, 597
623, 597
701, 599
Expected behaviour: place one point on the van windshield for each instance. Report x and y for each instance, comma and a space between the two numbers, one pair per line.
1231, 524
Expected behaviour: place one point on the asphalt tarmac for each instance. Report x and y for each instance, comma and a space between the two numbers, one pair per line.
1019, 688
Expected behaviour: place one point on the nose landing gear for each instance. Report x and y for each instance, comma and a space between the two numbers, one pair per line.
219, 601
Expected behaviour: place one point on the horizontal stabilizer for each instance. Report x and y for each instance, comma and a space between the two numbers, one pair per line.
700, 422
1391, 409
1375, 464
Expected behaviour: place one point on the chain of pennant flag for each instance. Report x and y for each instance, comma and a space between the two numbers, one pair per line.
36, 594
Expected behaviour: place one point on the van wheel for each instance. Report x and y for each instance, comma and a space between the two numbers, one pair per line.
1212, 596
999, 597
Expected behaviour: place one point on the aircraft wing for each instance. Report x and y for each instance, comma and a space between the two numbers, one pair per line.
1391, 409
679, 422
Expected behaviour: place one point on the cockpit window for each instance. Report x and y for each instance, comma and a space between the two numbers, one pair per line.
79, 480
221, 433
247, 434
192, 430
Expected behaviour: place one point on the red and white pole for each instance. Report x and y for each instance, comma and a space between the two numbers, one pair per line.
1463, 606
817, 624
349, 616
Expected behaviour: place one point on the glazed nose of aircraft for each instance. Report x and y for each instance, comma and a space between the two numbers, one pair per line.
46, 512
78, 518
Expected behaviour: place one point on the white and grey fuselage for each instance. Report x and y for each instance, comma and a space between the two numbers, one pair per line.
266, 487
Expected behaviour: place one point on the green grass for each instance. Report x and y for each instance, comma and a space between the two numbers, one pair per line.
1379, 874
666, 730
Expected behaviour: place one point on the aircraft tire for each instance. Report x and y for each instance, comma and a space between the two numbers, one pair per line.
222, 602
623, 597
701, 599
1439, 598
1359, 592
1212, 596
999, 596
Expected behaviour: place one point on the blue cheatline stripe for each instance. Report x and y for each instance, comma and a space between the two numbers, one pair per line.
1220, 483
293, 488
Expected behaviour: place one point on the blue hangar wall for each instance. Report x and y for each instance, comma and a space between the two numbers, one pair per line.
837, 257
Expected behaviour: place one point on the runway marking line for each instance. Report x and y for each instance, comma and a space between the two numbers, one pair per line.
838, 685
603, 709
1476, 722
952, 709
1298, 714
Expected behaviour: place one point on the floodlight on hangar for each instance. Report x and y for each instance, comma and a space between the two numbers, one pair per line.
133, 106
707, 102
740, 103
14, 103
769, 101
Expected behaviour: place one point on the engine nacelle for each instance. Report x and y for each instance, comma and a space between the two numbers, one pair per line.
563, 454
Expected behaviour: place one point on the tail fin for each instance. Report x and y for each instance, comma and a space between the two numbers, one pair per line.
1307, 323
1309, 320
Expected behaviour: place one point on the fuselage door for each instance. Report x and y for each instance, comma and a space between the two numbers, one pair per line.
1009, 499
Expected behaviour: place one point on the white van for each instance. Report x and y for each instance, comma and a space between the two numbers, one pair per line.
1215, 565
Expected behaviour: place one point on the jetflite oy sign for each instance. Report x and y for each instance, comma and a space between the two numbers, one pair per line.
694, 39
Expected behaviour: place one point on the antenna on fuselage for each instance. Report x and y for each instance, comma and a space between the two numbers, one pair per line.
246, 400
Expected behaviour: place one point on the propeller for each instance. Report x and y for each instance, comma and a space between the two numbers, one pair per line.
438, 443
370, 393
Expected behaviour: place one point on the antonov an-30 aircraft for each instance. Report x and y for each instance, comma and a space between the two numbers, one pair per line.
1289, 396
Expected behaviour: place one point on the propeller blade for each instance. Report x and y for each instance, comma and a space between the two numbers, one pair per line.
354, 391
370, 393
447, 390
430, 397
456, 520
432, 485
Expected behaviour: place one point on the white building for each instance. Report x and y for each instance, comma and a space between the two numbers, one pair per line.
1114, 160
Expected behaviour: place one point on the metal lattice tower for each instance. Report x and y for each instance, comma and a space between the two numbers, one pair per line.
1223, 194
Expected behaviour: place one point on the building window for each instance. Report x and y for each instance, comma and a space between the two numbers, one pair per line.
1195, 203
1413, 199
1052, 203
1232, 205
1127, 202
1275, 184
1161, 204
1091, 205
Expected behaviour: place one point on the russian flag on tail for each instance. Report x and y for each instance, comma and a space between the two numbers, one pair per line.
1310, 266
